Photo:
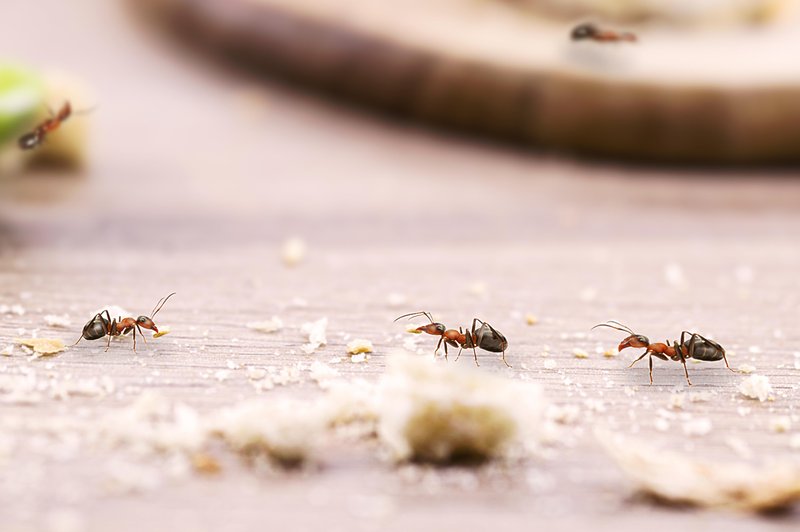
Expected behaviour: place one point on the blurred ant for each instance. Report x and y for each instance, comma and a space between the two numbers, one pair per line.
486, 337
697, 347
102, 325
36, 138
590, 31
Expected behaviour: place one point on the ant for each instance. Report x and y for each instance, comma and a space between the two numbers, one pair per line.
697, 347
590, 31
102, 325
36, 138
486, 337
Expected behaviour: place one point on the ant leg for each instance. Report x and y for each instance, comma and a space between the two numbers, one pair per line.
651, 368
109, 342
438, 346
134, 339
445, 351
726, 362
461, 348
475, 354
638, 359
686, 371
472, 341
79, 339
504, 360
141, 333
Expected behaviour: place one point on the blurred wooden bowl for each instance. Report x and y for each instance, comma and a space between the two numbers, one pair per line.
720, 95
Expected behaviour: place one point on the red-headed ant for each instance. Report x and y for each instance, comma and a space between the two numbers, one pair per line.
590, 31
485, 337
36, 138
102, 325
697, 347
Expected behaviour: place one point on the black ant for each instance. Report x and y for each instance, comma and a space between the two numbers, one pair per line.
36, 138
486, 337
697, 347
590, 31
102, 325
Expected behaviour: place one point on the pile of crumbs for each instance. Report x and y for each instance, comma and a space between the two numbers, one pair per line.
438, 413
316, 333
676, 478
42, 346
756, 387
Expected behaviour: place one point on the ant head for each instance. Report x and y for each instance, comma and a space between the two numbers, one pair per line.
147, 323
29, 141
584, 31
634, 340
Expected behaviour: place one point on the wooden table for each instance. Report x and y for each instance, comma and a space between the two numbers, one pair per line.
199, 175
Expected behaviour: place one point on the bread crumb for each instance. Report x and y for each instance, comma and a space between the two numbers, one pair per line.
756, 387
206, 464
284, 430
222, 374
440, 413
293, 252
359, 358
255, 374
268, 326
580, 353
697, 427
7, 350
550, 364
676, 400
359, 345
747, 369
165, 329
53, 320
322, 374
780, 424
530, 319
315, 331
675, 477
42, 346
13, 309
610, 353
661, 424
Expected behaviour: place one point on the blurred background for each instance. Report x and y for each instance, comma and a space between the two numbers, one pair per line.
459, 156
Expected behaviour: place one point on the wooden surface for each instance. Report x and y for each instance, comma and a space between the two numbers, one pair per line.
197, 179
492, 69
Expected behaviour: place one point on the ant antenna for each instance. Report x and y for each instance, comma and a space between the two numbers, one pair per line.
160, 304
615, 325
415, 314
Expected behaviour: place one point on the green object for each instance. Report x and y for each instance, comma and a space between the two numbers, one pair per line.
21, 99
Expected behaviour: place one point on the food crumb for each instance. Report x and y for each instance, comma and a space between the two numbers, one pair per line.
293, 252
255, 374
580, 353
315, 331
221, 374
268, 326
676, 400
550, 364
531, 319
747, 369
53, 320
206, 464
362, 357
7, 350
661, 424
164, 330
756, 387
697, 427
359, 345
780, 424
42, 346
610, 353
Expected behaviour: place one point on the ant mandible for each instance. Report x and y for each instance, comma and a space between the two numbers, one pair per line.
102, 325
590, 31
36, 138
697, 347
485, 337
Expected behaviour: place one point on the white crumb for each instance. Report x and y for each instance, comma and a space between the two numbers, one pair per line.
780, 424
743, 411
579, 353
756, 387
359, 345
661, 425
284, 430
7, 350
293, 251
322, 374
255, 374
676, 477
232, 365
268, 326
222, 374
436, 413
362, 357
676, 400
531, 319
697, 427
550, 364
611, 353
54, 320
315, 331
13, 309
747, 369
